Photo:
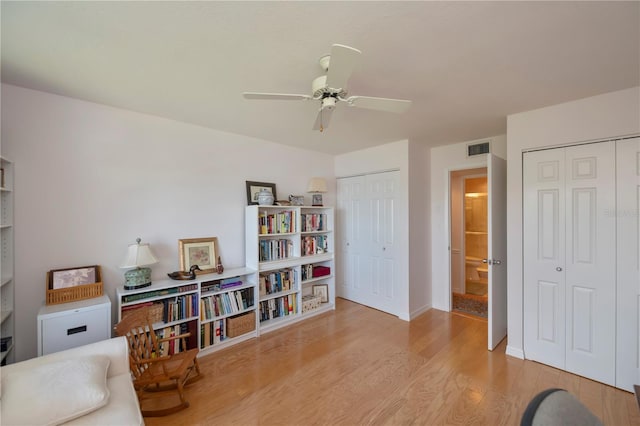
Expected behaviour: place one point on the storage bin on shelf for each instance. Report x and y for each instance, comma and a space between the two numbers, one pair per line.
311, 302
241, 324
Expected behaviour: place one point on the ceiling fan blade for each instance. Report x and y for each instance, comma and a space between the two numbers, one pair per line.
323, 118
381, 104
275, 96
341, 65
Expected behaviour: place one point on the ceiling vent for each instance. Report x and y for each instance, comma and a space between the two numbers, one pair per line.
479, 148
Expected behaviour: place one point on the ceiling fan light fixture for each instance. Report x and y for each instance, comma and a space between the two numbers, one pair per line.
329, 102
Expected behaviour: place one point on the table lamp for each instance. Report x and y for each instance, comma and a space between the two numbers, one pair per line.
317, 186
138, 256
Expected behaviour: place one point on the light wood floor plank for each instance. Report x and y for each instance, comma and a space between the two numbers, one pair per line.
359, 366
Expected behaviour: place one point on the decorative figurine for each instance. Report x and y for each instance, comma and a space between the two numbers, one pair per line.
219, 266
184, 275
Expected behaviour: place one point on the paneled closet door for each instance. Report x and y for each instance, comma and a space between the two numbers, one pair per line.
569, 259
591, 261
627, 214
351, 202
544, 256
367, 227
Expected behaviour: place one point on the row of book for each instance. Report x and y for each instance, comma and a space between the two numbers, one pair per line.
278, 307
180, 308
313, 222
157, 293
212, 332
315, 244
275, 249
173, 346
219, 285
277, 223
226, 303
277, 281
314, 271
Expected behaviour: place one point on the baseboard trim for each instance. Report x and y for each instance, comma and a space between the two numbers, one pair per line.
419, 312
515, 352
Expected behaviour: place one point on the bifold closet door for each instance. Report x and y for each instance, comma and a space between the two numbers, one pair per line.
569, 259
367, 226
627, 214
544, 256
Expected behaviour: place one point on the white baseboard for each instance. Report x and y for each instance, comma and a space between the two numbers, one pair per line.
419, 312
515, 352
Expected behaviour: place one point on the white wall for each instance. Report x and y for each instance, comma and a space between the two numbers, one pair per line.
445, 159
419, 232
392, 156
89, 179
600, 117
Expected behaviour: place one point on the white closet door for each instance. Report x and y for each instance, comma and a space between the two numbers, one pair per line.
544, 256
591, 260
497, 212
367, 227
628, 266
351, 202
382, 191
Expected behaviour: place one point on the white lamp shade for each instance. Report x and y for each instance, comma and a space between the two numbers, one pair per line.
138, 255
317, 184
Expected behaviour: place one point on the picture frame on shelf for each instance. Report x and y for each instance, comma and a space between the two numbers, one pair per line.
316, 200
253, 188
296, 200
321, 290
72, 277
198, 251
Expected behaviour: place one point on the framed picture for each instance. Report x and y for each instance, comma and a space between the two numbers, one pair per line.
322, 290
198, 251
72, 277
254, 187
296, 200
317, 200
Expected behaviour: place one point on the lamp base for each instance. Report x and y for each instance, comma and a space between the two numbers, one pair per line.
137, 278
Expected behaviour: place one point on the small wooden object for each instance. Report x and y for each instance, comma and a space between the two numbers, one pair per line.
73, 294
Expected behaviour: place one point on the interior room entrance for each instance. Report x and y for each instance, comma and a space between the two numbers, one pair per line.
469, 242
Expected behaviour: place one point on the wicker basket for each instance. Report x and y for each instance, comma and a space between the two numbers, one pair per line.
156, 312
72, 294
241, 324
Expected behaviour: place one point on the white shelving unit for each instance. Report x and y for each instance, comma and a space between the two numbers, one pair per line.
289, 240
7, 284
188, 304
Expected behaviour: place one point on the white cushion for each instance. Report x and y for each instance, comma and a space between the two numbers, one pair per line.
55, 393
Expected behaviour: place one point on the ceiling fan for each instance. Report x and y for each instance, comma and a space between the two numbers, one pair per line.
331, 88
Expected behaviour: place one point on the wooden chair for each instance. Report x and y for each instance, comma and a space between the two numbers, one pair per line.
156, 374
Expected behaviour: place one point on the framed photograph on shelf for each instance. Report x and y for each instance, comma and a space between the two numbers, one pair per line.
321, 290
296, 200
198, 251
72, 277
254, 187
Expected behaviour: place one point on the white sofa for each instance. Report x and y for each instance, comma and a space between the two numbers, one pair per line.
117, 406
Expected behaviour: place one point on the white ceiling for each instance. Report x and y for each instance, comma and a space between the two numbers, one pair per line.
465, 65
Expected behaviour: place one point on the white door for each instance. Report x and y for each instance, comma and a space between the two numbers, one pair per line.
591, 261
543, 256
367, 223
350, 196
628, 217
381, 194
569, 259
497, 249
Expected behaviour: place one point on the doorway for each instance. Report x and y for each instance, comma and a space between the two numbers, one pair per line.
469, 242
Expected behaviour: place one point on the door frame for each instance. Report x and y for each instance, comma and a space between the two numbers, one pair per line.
447, 216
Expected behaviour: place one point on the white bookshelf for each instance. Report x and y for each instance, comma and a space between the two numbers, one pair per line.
7, 284
281, 239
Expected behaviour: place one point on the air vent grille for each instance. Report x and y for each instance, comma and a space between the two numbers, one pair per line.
478, 148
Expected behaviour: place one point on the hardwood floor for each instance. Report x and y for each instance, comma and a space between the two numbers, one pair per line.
360, 366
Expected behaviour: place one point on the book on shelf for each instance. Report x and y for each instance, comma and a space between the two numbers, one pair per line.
277, 281
275, 249
314, 244
278, 307
312, 222
158, 293
277, 223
